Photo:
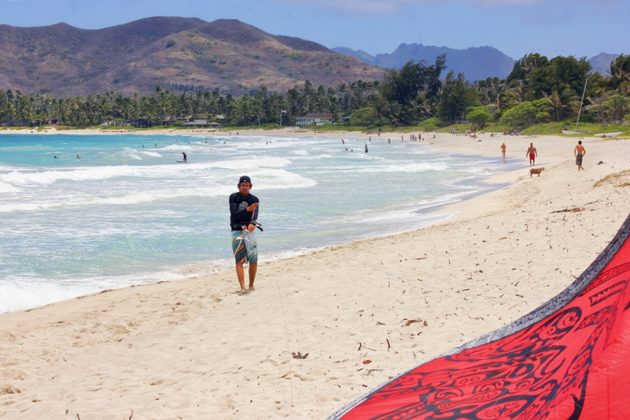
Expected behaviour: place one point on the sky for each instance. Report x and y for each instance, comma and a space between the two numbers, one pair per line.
516, 27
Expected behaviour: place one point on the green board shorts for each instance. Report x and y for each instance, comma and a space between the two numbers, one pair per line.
244, 247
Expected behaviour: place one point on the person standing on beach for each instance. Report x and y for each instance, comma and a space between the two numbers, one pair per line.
243, 215
503, 148
579, 153
532, 153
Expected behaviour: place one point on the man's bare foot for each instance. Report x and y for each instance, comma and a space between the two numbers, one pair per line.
251, 288
243, 292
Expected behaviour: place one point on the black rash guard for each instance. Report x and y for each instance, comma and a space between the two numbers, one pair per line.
239, 215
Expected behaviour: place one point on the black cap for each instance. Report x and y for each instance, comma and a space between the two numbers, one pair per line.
244, 178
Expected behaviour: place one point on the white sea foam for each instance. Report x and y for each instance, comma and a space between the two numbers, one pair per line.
20, 293
8, 168
22, 177
7, 188
390, 168
409, 213
178, 148
152, 154
267, 179
15, 295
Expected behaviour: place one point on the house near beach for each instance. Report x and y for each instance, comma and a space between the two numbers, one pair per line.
314, 119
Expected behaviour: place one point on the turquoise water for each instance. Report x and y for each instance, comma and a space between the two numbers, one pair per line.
126, 214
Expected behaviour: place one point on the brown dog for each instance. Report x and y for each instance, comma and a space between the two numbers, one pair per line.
535, 171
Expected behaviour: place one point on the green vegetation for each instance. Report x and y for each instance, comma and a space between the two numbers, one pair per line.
584, 129
540, 96
479, 117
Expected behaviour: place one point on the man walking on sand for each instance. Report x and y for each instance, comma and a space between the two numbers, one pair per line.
243, 215
503, 147
579, 153
532, 153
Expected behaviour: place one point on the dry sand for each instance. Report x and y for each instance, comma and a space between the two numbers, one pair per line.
196, 350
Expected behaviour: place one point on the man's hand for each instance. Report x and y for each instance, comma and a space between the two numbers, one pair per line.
252, 207
251, 228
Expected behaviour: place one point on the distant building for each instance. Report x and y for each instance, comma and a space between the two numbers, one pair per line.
113, 123
197, 123
314, 118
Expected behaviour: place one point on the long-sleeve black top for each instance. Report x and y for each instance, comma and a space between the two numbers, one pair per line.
239, 215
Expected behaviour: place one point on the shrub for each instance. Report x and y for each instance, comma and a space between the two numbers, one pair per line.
364, 116
478, 116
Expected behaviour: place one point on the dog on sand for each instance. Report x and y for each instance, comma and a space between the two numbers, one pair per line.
535, 171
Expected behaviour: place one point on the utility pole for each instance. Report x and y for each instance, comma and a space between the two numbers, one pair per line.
581, 103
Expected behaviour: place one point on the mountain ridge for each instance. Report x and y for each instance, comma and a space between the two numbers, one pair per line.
184, 53
477, 63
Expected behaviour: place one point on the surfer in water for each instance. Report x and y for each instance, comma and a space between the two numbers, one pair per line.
184, 157
243, 216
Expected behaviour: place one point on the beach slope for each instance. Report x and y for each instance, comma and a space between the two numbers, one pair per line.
323, 328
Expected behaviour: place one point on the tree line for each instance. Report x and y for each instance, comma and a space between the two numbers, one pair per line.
537, 90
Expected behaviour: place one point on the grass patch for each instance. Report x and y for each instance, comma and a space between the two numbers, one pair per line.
545, 129
584, 129
609, 179
495, 128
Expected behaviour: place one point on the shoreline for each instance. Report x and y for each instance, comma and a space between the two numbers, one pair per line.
285, 131
157, 348
437, 213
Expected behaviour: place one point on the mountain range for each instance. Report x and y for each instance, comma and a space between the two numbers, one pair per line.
189, 54
601, 63
176, 53
477, 63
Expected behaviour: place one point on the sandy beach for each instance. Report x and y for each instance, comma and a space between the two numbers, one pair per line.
353, 315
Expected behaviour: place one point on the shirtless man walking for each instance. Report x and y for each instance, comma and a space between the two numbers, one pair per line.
532, 153
579, 153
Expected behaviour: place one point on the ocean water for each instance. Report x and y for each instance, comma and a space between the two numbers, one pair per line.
127, 212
